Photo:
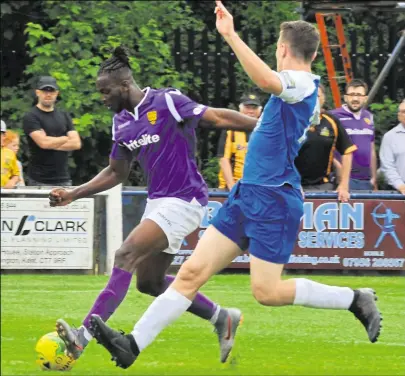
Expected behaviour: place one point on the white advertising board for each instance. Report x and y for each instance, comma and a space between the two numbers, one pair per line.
36, 236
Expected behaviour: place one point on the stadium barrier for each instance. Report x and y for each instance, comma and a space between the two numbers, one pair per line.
368, 233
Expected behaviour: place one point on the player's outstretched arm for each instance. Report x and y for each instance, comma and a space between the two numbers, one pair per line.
114, 174
259, 72
223, 118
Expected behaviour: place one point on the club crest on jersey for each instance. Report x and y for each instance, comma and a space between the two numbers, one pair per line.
152, 117
367, 120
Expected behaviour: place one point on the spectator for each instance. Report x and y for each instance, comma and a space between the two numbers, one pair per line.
10, 174
392, 153
232, 145
51, 137
314, 161
12, 142
359, 124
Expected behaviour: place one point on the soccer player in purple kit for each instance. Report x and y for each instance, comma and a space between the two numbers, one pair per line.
157, 128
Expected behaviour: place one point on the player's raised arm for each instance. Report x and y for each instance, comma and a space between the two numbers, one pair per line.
259, 72
223, 118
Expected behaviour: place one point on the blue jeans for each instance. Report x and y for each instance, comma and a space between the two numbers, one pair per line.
360, 185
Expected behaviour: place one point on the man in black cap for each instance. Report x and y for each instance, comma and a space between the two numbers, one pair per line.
51, 136
232, 146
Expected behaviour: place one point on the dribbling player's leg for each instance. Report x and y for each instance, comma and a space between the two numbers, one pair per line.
151, 279
145, 240
214, 251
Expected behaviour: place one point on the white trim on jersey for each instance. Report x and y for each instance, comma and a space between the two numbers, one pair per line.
113, 128
297, 85
172, 107
136, 115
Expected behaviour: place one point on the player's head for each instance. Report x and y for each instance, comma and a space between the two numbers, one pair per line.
47, 92
356, 95
250, 105
115, 81
298, 41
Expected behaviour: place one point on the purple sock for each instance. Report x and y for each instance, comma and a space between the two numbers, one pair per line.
201, 306
111, 297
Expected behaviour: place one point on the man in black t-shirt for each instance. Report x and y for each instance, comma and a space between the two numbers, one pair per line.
315, 159
51, 136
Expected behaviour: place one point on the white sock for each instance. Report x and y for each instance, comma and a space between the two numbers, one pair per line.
86, 334
214, 317
316, 295
164, 310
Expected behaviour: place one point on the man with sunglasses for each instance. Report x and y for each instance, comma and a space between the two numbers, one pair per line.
51, 136
359, 125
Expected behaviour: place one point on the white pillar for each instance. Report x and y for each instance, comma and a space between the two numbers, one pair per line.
114, 230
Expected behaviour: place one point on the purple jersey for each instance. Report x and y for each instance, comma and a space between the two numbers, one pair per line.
160, 135
361, 131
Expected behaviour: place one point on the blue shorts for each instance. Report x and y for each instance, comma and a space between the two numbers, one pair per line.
264, 220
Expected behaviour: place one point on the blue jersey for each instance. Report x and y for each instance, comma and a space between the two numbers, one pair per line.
280, 131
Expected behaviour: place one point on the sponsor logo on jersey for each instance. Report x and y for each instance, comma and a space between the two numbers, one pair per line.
363, 132
145, 140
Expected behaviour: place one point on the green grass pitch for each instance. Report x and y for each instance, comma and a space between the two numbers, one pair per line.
271, 341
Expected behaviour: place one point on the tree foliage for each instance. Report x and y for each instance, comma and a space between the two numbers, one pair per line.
83, 34
69, 39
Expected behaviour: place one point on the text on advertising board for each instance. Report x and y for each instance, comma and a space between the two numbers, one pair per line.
36, 236
361, 234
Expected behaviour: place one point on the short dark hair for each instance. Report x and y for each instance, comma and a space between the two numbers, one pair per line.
356, 83
118, 64
302, 37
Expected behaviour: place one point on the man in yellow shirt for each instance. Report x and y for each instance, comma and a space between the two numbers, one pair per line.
232, 146
10, 173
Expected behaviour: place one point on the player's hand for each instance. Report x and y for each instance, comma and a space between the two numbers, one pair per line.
224, 20
343, 193
60, 197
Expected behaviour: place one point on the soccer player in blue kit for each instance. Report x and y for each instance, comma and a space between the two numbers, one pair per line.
263, 210
157, 128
